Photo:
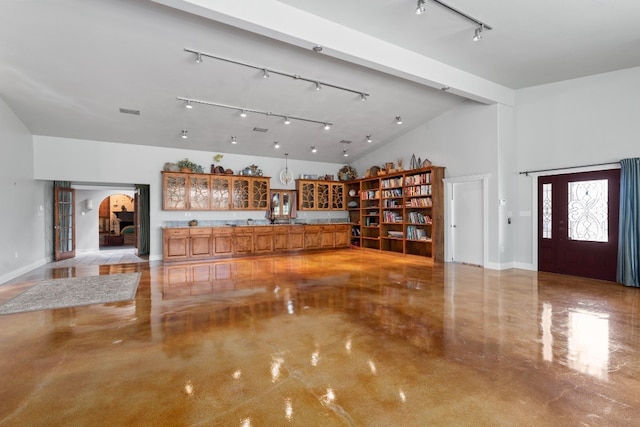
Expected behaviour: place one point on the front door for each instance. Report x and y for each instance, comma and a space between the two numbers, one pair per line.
578, 223
64, 226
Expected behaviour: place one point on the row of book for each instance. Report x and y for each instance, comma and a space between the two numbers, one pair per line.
423, 178
394, 192
420, 202
419, 218
392, 182
419, 190
370, 194
391, 216
415, 233
392, 203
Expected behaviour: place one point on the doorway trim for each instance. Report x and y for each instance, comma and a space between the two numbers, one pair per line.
448, 207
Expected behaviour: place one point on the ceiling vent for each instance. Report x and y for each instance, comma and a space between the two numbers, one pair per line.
256, 129
345, 141
130, 111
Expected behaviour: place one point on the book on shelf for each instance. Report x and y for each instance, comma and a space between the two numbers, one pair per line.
419, 218
392, 216
392, 182
394, 192
416, 233
419, 202
395, 234
370, 194
418, 190
423, 178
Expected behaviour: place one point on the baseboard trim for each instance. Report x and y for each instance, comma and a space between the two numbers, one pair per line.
22, 270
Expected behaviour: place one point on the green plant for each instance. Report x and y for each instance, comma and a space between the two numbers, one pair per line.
188, 164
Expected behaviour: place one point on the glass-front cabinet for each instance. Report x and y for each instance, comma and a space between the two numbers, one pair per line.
320, 195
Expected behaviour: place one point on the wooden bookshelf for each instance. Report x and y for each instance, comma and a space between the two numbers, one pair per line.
401, 212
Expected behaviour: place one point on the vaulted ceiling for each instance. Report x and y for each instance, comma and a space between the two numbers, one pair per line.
67, 67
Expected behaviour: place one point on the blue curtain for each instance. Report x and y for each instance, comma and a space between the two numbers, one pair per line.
629, 238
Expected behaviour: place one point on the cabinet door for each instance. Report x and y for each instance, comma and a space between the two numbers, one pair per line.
220, 192
296, 238
243, 242
263, 241
327, 236
342, 236
311, 237
241, 193
199, 192
337, 196
222, 241
174, 191
200, 243
307, 196
281, 239
260, 193
323, 195
175, 244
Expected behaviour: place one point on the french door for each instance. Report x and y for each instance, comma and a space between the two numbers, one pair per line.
578, 223
64, 223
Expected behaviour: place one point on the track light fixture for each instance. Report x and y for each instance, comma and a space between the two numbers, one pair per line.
363, 97
242, 113
184, 134
198, 57
188, 105
398, 120
477, 35
318, 87
369, 138
244, 110
287, 121
313, 149
266, 72
276, 145
481, 25
234, 140
345, 153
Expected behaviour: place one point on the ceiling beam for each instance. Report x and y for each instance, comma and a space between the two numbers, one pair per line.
279, 21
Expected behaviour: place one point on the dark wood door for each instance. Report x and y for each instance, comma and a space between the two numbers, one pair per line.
578, 223
64, 223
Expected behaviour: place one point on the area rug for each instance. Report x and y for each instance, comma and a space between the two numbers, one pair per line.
73, 292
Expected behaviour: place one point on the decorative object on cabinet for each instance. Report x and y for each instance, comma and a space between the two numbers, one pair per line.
252, 170
413, 163
193, 223
171, 167
346, 173
187, 165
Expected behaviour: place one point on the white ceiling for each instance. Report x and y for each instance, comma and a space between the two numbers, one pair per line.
67, 66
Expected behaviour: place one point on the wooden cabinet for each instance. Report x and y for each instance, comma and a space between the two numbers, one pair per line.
281, 237
193, 191
320, 195
327, 236
200, 242
263, 239
176, 244
342, 235
296, 237
401, 212
222, 241
312, 236
243, 241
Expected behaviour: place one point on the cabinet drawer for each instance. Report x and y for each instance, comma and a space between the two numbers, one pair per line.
176, 232
200, 232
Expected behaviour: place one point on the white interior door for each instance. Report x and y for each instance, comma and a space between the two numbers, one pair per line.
467, 219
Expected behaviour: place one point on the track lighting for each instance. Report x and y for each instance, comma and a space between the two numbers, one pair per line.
477, 35
198, 57
363, 97
287, 121
318, 87
313, 149
188, 105
276, 145
369, 138
345, 153
244, 110
184, 134
266, 71
327, 126
481, 25
398, 120
234, 140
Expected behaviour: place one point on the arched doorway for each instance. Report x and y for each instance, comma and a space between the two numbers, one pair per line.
116, 221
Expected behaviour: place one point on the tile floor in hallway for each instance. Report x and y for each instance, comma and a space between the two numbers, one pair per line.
342, 338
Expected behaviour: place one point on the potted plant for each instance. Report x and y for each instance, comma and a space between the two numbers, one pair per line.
187, 165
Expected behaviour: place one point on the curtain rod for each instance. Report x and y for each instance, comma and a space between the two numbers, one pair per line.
568, 167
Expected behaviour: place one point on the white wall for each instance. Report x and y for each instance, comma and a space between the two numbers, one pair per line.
22, 228
577, 122
104, 162
466, 141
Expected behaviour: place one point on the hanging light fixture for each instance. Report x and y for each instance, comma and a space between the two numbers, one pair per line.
345, 153
276, 145
398, 120
314, 149
420, 9
369, 138
286, 176
234, 140
184, 134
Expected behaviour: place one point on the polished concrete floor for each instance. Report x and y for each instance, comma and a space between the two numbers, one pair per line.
344, 338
